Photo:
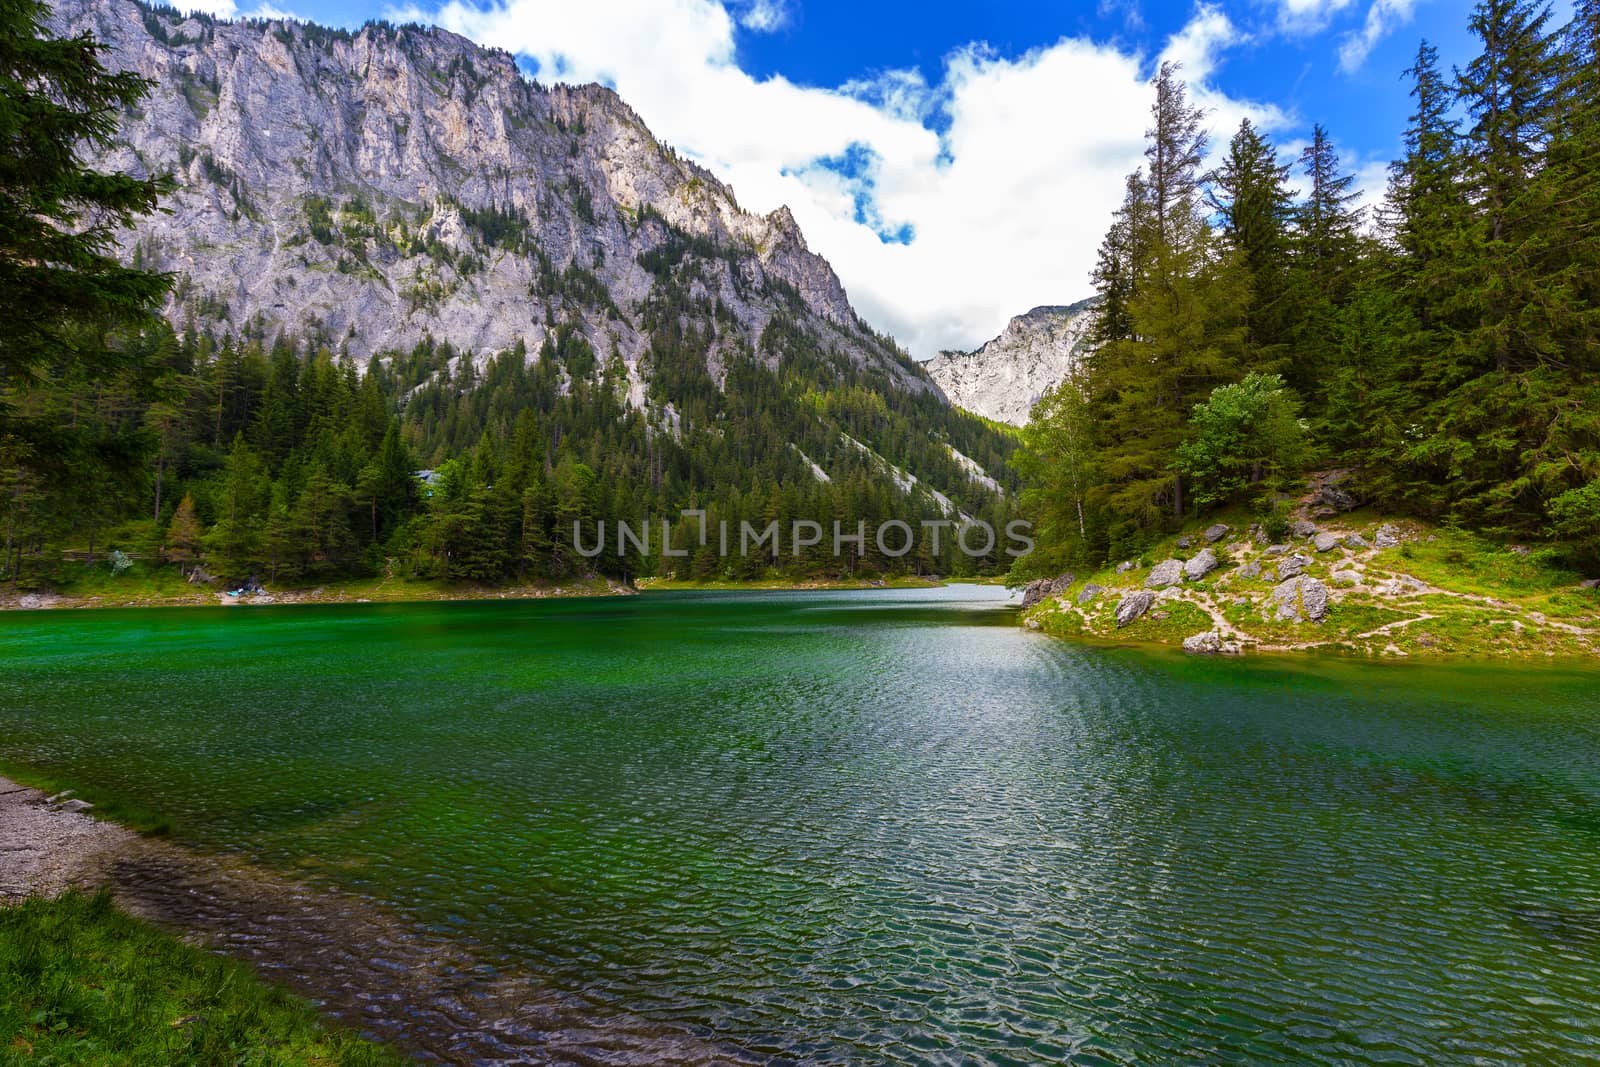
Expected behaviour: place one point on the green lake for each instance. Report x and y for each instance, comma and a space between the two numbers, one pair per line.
867, 827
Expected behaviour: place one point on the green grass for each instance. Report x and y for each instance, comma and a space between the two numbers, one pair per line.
1466, 564
83, 983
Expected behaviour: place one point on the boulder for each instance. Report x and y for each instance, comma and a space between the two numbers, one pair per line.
1301, 599
1249, 570
1185, 542
1216, 533
1402, 585
1125, 566
1089, 592
1386, 537
1032, 624
74, 805
1200, 565
1034, 592
1355, 542
1293, 566
1347, 577
1519, 550
1134, 605
1589, 583
1304, 529
1326, 542
1206, 644
1061, 584
1333, 491
1167, 572
1275, 550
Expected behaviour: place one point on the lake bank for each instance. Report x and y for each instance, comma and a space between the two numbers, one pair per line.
1356, 585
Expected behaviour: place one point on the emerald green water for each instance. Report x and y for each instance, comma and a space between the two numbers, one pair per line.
871, 827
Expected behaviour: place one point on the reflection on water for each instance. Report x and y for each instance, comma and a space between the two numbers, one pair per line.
841, 827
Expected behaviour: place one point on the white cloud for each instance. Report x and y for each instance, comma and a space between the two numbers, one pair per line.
1003, 175
1383, 18
764, 16
1308, 16
228, 9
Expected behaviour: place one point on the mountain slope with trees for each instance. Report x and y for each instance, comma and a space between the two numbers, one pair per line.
450, 269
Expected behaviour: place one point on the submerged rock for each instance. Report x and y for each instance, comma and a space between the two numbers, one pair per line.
1203, 563
1167, 572
1301, 599
1134, 605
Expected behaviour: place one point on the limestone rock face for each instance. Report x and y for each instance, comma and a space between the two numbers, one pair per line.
1134, 605
1167, 572
389, 184
1003, 379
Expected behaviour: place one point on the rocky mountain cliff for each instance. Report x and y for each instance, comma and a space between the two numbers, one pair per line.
1003, 379
377, 187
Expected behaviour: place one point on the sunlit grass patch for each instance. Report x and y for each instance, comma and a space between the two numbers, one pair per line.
83, 983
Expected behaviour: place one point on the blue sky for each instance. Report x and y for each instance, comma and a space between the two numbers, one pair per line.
956, 162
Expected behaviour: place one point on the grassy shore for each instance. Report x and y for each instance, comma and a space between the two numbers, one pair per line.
83, 983
1436, 593
721, 585
156, 586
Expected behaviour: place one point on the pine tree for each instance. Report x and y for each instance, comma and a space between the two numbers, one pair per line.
59, 217
1250, 193
183, 533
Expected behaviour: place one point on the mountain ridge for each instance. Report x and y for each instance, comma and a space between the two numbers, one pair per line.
393, 183
1004, 377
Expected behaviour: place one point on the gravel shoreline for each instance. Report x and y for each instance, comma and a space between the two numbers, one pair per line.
47, 848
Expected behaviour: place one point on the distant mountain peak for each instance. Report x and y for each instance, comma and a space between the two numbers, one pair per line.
1004, 378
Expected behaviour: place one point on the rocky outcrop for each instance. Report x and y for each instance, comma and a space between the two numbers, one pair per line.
1300, 599
377, 187
1211, 643
1041, 589
1133, 605
1293, 566
1167, 572
1200, 565
1006, 377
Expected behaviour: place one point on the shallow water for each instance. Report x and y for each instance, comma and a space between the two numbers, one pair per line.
881, 826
